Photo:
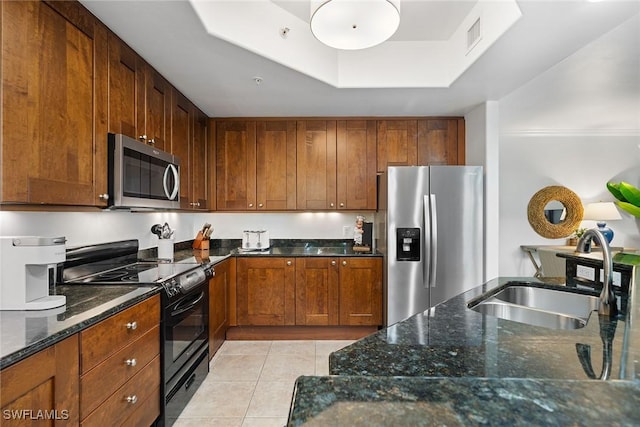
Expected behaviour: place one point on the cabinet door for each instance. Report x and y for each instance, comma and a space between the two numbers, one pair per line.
199, 161
440, 142
180, 142
360, 291
276, 165
219, 299
51, 102
46, 381
157, 112
316, 291
356, 160
126, 88
236, 165
266, 291
396, 143
316, 176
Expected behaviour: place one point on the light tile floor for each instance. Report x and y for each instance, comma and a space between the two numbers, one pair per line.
250, 383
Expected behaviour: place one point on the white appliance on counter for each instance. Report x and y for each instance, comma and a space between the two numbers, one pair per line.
255, 240
429, 227
26, 263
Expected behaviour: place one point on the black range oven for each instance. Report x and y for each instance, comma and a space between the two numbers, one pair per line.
184, 311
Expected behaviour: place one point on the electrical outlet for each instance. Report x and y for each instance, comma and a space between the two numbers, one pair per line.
586, 272
346, 231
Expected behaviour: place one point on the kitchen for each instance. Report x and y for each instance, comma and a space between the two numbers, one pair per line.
512, 135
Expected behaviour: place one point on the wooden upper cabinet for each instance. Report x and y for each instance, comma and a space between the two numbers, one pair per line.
126, 88
441, 142
316, 175
155, 118
199, 161
276, 165
53, 57
356, 163
420, 142
396, 143
181, 117
236, 165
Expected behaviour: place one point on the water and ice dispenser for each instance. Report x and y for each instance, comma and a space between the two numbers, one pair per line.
408, 244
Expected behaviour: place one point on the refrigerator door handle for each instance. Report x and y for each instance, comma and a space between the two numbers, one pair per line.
426, 238
433, 252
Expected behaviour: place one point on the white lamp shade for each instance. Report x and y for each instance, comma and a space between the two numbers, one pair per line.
601, 211
354, 24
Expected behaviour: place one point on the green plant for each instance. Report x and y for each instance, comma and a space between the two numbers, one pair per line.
628, 197
578, 232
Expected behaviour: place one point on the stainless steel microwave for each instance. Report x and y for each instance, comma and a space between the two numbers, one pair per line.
141, 176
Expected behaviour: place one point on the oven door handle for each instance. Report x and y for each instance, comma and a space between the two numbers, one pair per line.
180, 308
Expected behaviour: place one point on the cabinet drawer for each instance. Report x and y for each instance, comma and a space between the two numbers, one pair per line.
99, 383
109, 336
144, 386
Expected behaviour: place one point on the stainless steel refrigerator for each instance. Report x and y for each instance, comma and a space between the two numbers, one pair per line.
429, 226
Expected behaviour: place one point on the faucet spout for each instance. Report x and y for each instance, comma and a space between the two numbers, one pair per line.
608, 305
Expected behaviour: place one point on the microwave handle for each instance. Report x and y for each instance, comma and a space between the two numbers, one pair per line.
165, 179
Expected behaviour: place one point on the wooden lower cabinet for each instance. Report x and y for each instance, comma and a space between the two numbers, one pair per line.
360, 291
44, 385
309, 291
120, 368
266, 291
317, 282
219, 303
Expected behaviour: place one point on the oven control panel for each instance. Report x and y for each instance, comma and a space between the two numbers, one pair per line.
184, 283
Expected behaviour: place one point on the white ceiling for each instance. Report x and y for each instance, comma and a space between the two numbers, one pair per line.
217, 75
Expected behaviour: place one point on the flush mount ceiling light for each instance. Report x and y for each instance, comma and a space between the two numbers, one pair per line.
354, 24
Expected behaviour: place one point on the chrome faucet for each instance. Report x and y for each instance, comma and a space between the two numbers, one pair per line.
608, 305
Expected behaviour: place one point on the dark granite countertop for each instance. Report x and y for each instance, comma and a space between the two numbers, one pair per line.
23, 333
453, 366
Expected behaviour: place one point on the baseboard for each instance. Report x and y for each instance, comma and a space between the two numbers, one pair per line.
299, 332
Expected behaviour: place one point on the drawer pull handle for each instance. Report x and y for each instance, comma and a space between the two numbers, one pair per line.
131, 362
132, 325
289, 263
344, 262
333, 263
132, 399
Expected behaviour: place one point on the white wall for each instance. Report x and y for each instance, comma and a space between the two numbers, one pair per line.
576, 125
482, 149
97, 227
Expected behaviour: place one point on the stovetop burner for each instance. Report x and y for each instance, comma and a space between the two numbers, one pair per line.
138, 272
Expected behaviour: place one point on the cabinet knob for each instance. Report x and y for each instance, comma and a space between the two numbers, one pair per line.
104, 196
195, 204
151, 141
131, 362
333, 263
260, 205
289, 263
132, 325
342, 205
250, 205
331, 204
143, 138
344, 262
132, 399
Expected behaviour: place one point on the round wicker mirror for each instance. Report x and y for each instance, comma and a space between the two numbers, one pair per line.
571, 217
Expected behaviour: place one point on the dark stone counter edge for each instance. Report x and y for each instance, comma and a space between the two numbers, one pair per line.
469, 401
67, 332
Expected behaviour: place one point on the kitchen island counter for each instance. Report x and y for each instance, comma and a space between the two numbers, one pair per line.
459, 367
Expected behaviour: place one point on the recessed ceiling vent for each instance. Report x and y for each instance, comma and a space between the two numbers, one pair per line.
474, 35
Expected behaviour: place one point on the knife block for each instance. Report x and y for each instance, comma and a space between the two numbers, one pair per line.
200, 242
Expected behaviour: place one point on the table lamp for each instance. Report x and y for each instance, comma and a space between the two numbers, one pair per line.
601, 212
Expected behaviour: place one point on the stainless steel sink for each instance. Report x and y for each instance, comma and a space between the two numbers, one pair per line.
534, 305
